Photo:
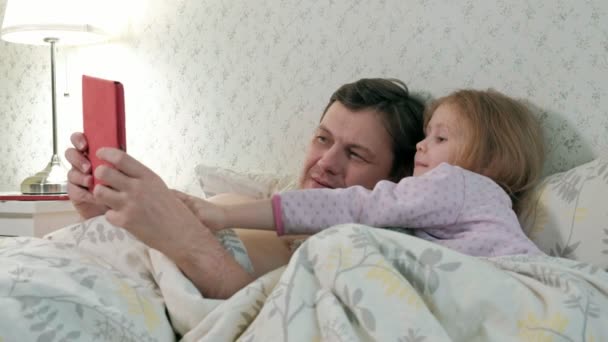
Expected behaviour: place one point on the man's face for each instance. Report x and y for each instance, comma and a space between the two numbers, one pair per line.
348, 148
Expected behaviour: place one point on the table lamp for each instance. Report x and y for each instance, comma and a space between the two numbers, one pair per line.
46, 22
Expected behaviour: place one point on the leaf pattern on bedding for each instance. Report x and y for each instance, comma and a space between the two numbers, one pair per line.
341, 284
249, 315
352, 305
393, 284
580, 308
583, 265
550, 277
98, 234
566, 214
568, 187
137, 305
348, 283
36, 309
534, 328
59, 293
565, 251
412, 336
601, 172
580, 303
569, 191
108, 325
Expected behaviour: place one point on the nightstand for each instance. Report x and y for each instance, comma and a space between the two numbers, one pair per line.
35, 218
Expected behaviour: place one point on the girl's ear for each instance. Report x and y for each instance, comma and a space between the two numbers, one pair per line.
487, 172
490, 169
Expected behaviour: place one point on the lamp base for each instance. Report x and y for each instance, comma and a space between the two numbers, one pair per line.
51, 180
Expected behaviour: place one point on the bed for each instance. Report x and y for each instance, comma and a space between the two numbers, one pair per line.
93, 281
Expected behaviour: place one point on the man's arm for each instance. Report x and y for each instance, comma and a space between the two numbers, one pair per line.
265, 249
141, 203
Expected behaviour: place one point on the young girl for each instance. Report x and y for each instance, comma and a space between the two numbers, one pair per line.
482, 152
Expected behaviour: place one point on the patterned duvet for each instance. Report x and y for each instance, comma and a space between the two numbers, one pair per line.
95, 282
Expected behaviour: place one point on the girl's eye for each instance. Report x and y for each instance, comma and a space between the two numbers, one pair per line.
441, 139
321, 139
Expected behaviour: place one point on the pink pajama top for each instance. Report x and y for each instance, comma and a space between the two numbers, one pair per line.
448, 205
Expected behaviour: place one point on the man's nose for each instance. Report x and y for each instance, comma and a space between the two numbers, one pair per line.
332, 161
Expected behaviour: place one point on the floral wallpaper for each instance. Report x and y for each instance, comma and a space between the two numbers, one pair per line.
241, 84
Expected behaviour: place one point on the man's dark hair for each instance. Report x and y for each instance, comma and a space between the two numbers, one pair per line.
402, 116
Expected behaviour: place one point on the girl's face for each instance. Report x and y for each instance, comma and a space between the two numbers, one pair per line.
445, 136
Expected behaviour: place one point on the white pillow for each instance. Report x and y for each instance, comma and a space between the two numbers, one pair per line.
569, 214
216, 180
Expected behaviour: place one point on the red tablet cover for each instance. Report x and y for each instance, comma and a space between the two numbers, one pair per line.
103, 116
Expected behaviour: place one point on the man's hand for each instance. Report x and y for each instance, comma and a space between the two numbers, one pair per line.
80, 179
141, 203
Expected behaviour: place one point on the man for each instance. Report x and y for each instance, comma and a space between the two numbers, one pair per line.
367, 133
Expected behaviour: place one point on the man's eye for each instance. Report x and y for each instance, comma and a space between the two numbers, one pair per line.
355, 155
321, 139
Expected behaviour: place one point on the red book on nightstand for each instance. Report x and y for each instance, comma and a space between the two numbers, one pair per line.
16, 196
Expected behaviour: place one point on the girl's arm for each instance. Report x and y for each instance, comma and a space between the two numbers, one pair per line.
257, 214
243, 213
429, 201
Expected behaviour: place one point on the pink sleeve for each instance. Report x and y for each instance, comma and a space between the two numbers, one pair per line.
276, 212
429, 201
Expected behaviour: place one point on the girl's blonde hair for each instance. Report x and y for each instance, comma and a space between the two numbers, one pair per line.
505, 140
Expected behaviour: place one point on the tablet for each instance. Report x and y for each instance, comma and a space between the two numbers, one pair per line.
103, 117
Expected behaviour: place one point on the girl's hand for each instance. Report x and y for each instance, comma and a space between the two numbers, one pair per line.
213, 216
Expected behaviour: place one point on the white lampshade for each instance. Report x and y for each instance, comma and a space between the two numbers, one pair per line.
72, 22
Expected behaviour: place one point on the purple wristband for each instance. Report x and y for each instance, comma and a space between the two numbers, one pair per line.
276, 212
